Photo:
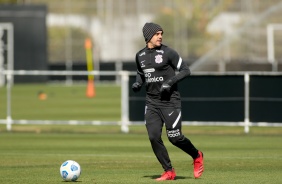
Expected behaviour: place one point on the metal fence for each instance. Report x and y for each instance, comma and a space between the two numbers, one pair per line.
125, 120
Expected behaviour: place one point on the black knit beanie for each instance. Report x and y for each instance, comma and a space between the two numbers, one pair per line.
149, 30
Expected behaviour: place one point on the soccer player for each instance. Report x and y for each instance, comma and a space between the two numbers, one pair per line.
156, 67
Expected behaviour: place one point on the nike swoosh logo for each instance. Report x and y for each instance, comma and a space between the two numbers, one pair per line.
170, 113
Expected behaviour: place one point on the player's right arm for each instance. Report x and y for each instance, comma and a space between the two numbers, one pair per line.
140, 78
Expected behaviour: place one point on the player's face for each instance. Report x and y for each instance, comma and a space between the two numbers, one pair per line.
156, 40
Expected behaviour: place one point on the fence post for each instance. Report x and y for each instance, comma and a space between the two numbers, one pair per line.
124, 101
9, 85
247, 103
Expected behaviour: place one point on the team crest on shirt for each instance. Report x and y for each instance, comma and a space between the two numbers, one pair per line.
159, 58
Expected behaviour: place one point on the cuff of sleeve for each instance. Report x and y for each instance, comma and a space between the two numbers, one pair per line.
171, 81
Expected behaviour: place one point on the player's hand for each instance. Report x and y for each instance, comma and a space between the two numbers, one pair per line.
165, 89
136, 87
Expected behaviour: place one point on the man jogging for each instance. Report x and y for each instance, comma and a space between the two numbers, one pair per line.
156, 66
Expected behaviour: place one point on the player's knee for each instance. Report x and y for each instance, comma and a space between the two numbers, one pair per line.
174, 136
175, 140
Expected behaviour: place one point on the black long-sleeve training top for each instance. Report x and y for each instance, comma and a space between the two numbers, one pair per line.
156, 66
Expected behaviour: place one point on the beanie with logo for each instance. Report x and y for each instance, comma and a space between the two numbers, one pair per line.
149, 30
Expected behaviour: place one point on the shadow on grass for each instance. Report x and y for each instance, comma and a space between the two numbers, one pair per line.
176, 178
71, 181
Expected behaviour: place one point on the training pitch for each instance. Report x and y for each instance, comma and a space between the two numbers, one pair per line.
33, 154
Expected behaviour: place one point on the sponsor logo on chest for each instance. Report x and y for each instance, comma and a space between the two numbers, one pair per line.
149, 78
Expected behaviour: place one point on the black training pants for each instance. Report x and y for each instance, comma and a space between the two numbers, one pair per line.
154, 120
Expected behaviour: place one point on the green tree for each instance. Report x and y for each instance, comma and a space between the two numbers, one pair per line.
62, 41
192, 19
8, 1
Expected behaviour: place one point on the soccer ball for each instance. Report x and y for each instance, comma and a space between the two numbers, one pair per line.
70, 170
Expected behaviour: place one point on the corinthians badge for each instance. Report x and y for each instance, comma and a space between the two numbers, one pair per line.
158, 58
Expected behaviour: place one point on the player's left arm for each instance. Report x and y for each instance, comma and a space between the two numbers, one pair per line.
183, 71
179, 65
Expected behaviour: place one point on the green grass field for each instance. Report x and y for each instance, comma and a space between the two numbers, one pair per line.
63, 102
32, 154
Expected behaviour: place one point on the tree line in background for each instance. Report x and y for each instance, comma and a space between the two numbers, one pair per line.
181, 19
191, 22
